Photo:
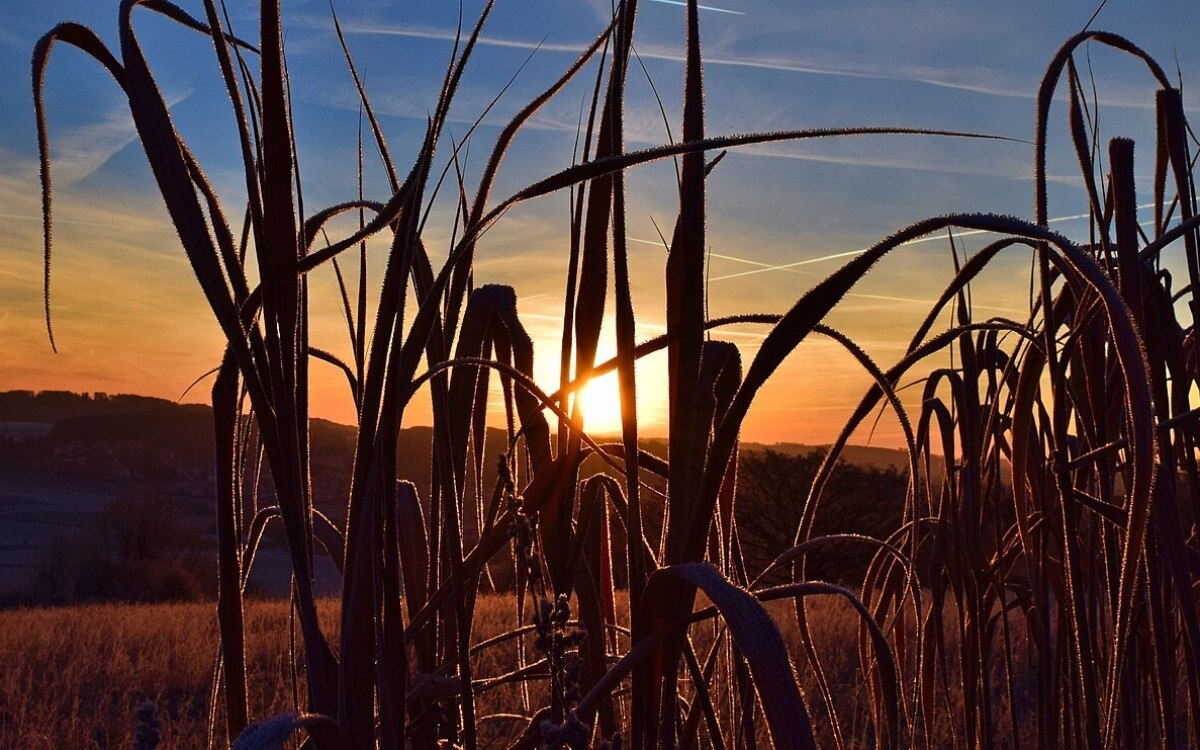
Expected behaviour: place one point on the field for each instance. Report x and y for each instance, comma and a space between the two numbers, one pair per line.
73, 676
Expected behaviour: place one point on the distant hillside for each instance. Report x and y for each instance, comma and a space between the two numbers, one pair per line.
126, 434
158, 431
88, 450
51, 407
65, 456
859, 455
184, 431
187, 428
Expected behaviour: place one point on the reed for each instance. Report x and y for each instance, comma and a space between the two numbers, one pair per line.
1063, 601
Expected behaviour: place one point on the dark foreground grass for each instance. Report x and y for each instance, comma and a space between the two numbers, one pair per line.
1063, 601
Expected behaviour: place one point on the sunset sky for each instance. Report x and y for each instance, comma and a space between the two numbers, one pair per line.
129, 316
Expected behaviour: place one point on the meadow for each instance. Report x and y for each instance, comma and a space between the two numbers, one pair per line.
74, 676
1055, 610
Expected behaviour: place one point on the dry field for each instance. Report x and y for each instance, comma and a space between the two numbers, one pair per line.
73, 676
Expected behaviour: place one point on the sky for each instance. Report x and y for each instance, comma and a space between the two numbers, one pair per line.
129, 316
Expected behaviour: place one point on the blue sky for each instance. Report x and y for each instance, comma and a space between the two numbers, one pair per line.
129, 317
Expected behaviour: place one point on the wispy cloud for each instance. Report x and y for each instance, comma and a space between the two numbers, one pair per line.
10, 39
790, 65
929, 302
798, 150
434, 34
92, 210
722, 256
797, 65
978, 81
793, 268
34, 219
79, 151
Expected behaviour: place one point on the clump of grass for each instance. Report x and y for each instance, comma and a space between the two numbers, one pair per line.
1065, 600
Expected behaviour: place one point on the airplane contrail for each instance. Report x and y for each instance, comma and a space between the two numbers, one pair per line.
701, 7
717, 255
850, 253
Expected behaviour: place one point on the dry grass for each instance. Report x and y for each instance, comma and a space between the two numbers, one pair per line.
73, 676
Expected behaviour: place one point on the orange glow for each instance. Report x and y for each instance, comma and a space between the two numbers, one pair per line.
601, 403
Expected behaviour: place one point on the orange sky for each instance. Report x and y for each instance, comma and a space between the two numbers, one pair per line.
129, 317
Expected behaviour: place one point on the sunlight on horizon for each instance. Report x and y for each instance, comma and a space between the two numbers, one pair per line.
601, 404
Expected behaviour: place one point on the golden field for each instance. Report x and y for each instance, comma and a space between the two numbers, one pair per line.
73, 676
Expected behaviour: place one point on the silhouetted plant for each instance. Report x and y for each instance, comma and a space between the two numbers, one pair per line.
1093, 386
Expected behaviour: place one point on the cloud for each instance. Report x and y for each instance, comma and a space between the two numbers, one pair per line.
928, 76
432, 33
800, 150
9, 39
976, 80
73, 206
643, 128
656, 52
930, 302
77, 152
37, 219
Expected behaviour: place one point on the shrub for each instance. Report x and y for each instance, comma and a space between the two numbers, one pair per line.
140, 550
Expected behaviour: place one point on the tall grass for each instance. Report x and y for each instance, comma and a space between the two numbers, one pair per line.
1064, 601
74, 676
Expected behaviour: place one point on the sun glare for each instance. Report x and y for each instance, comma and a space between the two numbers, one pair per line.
602, 405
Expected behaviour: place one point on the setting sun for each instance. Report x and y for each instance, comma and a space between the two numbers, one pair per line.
601, 402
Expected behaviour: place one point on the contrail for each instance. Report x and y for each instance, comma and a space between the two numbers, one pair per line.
850, 253
782, 65
913, 301
747, 261
86, 222
701, 7
442, 35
